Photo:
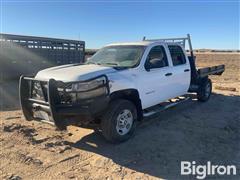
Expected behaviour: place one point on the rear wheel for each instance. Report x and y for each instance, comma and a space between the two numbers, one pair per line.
205, 90
119, 122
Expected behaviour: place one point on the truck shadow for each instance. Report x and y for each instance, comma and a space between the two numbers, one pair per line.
191, 131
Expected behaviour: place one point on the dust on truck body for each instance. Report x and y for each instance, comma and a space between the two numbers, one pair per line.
117, 86
29, 54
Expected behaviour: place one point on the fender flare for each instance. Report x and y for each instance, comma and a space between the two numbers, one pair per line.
131, 95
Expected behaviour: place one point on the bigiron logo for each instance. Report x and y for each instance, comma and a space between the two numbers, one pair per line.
202, 171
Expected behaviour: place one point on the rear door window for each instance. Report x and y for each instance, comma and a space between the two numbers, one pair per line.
178, 57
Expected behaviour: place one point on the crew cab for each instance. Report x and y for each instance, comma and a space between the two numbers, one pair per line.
118, 86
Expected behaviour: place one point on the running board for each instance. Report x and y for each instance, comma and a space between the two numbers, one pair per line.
47, 122
163, 106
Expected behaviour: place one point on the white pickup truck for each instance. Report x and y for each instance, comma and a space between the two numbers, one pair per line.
116, 87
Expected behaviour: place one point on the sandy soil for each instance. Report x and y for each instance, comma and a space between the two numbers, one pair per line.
191, 131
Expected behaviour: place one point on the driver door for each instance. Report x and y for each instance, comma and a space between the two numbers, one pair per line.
155, 81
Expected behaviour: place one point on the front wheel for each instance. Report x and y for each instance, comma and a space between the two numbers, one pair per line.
205, 90
119, 122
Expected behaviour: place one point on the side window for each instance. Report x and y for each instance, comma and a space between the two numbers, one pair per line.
156, 58
177, 55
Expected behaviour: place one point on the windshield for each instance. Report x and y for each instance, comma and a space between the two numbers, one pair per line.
118, 56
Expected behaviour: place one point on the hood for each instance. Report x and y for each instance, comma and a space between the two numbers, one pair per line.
73, 72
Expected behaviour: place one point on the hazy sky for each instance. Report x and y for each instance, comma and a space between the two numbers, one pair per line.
212, 24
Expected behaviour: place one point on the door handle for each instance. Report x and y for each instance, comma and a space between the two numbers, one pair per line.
186, 70
168, 74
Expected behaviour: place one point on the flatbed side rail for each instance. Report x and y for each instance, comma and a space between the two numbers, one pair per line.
214, 70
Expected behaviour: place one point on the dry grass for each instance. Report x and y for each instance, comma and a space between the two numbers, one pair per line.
231, 61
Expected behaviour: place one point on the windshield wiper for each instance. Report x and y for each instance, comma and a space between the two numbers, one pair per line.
93, 63
115, 66
119, 67
109, 63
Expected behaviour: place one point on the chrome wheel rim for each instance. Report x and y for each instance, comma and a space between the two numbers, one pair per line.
208, 90
124, 122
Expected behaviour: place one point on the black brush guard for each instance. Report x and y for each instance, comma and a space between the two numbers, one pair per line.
51, 103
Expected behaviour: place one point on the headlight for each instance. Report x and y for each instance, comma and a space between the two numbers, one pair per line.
86, 86
75, 92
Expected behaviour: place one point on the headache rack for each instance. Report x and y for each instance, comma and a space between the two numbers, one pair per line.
196, 73
181, 41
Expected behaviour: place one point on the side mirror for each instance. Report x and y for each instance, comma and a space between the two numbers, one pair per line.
148, 66
154, 63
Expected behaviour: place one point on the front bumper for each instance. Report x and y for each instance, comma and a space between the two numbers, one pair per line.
51, 105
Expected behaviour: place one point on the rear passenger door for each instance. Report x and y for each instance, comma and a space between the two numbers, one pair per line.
181, 70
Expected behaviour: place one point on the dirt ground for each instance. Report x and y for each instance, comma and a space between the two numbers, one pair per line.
191, 131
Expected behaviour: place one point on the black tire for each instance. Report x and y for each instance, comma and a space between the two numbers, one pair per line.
110, 120
205, 90
61, 126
